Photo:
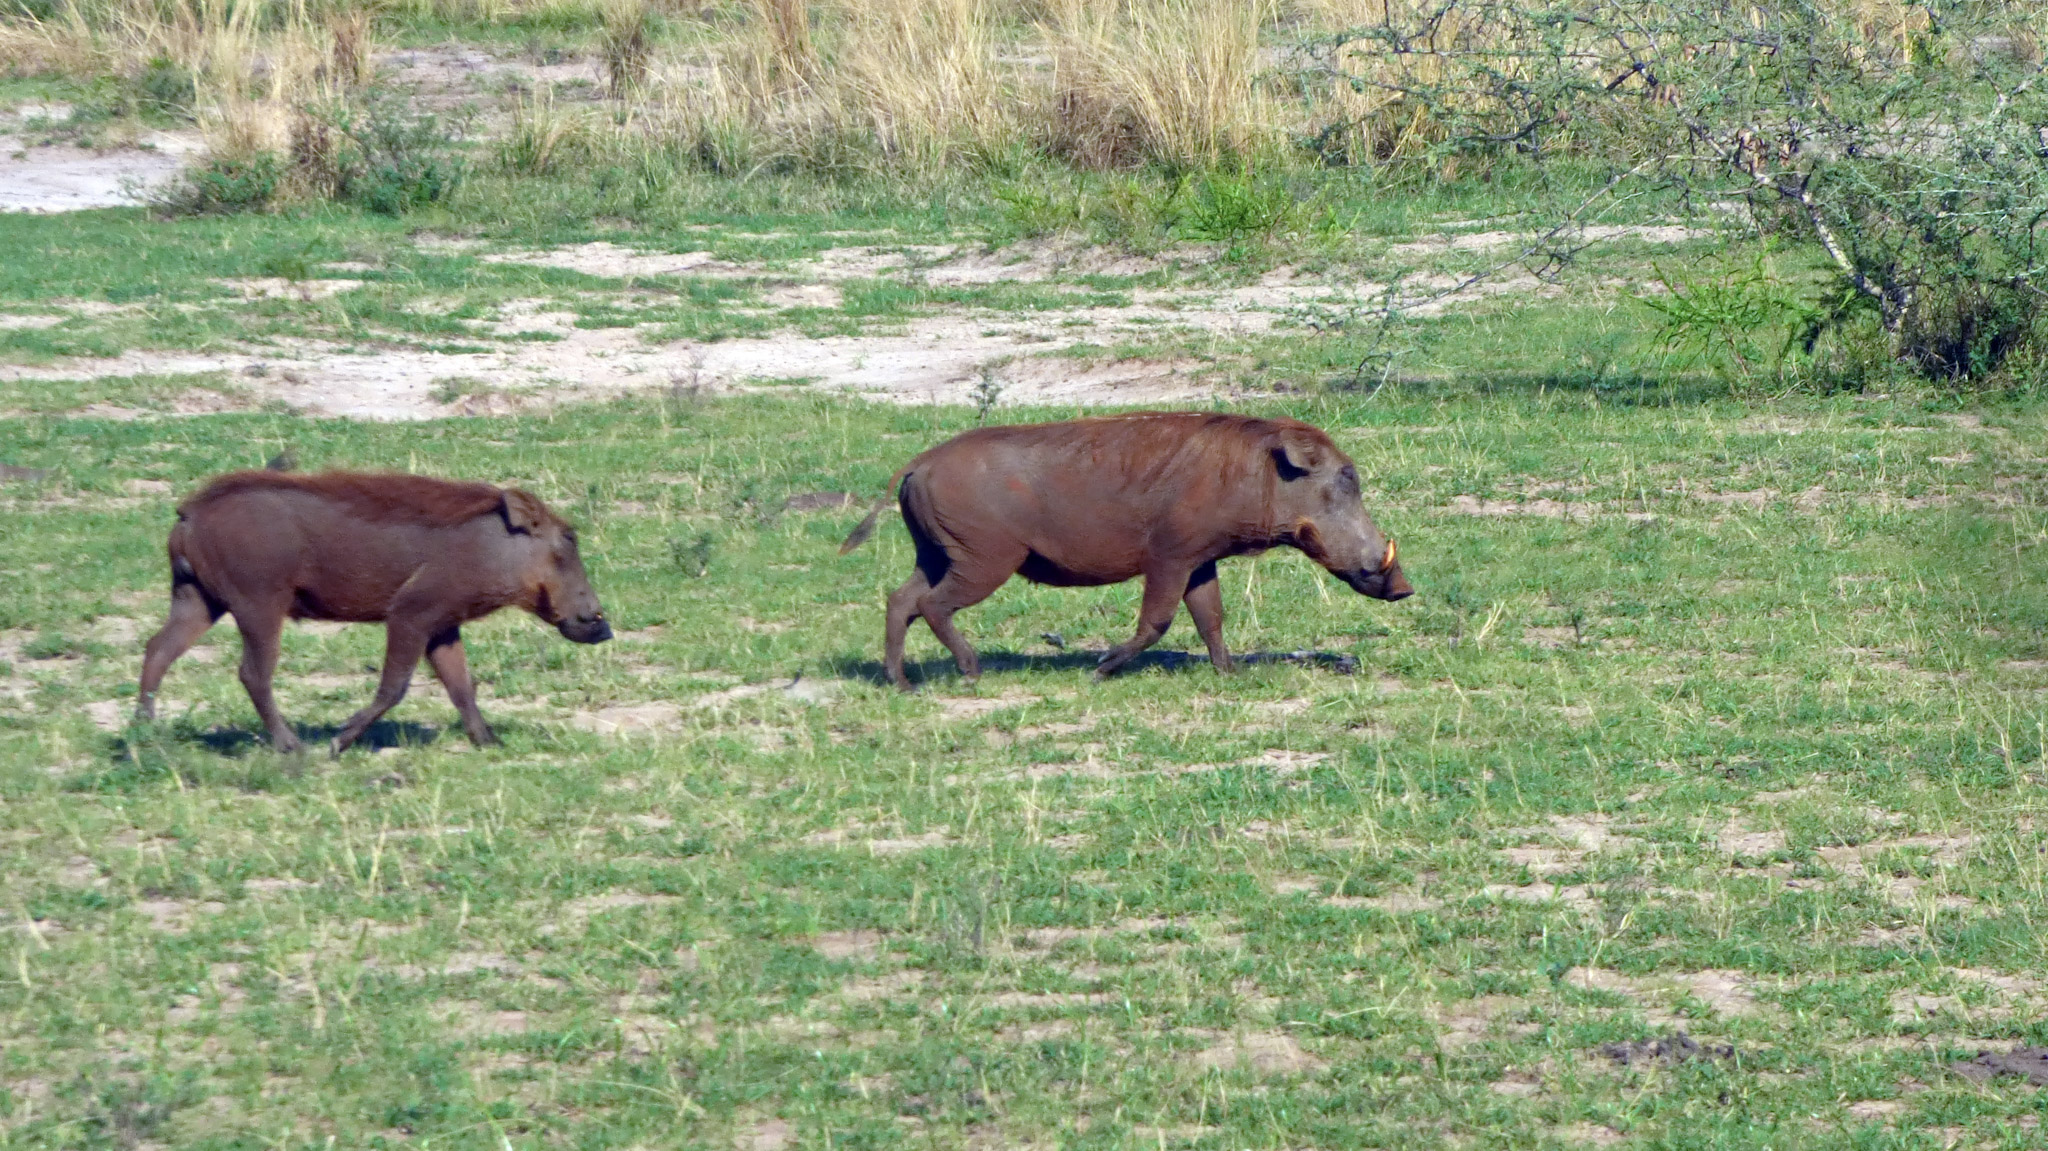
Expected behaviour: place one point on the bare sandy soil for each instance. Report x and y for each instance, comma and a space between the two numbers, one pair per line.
949, 357
63, 178
938, 360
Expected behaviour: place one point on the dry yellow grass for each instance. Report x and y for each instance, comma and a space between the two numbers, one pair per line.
905, 84
253, 68
920, 78
1175, 81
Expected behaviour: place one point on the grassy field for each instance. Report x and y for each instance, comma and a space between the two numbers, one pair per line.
1695, 801
1715, 719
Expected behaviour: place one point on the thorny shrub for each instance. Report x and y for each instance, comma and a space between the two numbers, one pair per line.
1907, 144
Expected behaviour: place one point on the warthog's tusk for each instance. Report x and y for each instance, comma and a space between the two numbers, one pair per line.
1388, 560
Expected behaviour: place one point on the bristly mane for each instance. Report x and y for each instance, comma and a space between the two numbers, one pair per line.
378, 497
1225, 422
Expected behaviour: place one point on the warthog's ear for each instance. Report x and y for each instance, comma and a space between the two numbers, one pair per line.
1295, 456
523, 512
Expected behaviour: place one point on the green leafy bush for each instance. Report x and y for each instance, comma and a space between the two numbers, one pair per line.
166, 87
1742, 321
220, 185
1907, 153
1232, 209
376, 153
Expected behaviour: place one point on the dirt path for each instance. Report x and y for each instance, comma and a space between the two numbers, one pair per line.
960, 355
63, 178
937, 360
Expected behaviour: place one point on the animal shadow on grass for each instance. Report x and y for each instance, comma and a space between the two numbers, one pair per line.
147, 756
939, 668
233, 742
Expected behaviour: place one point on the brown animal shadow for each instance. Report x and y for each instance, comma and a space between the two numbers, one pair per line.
235, 742
939, 668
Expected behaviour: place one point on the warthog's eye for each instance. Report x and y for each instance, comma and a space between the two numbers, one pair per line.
1347, 480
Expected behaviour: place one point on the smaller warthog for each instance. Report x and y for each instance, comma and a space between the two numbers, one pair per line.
1163, 495
424, 556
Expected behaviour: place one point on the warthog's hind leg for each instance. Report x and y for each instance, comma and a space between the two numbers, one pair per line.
191, 614
903, 608
966, 583
1205, 603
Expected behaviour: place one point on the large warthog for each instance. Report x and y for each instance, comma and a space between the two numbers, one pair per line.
424, 556
1097, 501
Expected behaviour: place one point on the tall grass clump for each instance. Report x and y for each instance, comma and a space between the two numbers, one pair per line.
921, 86
351, 62
1174, 82
541, 137
908, 84
625, 40
920, 77
791, 52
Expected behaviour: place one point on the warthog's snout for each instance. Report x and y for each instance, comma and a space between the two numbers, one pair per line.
592, 628
1387, 583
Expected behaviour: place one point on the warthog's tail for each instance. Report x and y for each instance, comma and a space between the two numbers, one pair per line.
866, 527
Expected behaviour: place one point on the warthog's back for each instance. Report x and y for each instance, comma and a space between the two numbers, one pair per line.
368, 496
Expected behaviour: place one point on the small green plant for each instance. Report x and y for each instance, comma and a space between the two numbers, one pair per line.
1034, 211
987, 392
378, 153
453, 389
166, 87
408, 163
50, 645
291, 267
691, 557
1744, 321
219, 185
124, 1113
1234, 210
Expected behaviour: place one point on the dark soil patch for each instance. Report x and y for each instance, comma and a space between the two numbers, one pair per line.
1668, 1049
2030, 1063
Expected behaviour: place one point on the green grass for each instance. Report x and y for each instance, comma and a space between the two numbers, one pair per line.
1708, 716
1173, 908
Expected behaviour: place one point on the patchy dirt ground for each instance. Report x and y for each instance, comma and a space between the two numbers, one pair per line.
64, 178
38, 177
937, 360
949, 356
